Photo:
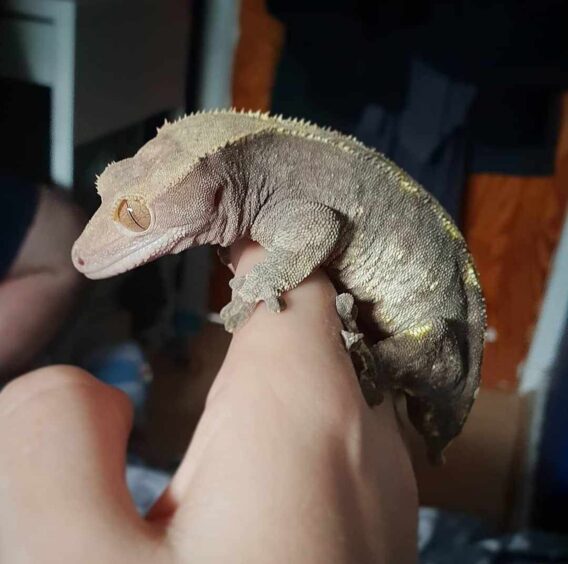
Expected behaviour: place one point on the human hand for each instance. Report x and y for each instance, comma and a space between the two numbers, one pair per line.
287, 464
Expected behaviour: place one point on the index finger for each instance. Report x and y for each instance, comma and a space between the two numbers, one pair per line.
287, 454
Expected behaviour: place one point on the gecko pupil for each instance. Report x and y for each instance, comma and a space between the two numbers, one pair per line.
133, 217
134, 214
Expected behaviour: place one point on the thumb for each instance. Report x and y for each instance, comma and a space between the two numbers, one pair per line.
62, 455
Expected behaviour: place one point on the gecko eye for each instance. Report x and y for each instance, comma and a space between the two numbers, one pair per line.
133, 214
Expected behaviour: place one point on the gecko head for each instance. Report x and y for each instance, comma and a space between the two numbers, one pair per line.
158, 202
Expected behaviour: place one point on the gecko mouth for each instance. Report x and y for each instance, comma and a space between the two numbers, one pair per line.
125, 262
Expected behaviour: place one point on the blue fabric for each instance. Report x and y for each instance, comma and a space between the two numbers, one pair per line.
18, 204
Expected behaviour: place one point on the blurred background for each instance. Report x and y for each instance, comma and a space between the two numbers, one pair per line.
468, 96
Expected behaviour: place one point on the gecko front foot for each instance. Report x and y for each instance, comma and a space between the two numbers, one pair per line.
252, 288
236, 313
247, 292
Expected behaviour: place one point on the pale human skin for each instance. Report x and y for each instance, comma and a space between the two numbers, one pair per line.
288, 464
41, 286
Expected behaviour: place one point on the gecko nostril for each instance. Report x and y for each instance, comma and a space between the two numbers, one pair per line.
80, 261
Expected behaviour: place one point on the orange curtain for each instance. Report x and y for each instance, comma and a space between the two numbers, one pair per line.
512, 225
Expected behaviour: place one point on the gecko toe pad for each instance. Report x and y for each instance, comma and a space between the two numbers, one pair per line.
236, 313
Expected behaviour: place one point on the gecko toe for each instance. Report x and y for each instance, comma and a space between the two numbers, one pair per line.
350, 338
236, 313
236, 283
346, 308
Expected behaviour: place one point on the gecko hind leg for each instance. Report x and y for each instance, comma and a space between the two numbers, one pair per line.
428, 363
362, 356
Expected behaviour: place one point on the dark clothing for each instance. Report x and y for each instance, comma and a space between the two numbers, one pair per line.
18, 204
345, 61
427, 137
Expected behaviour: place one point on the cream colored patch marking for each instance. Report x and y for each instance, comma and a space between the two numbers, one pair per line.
450, 228
419, 332
408, 186
470, 277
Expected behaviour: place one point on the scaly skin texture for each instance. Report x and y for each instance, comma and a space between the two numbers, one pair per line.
313, 198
